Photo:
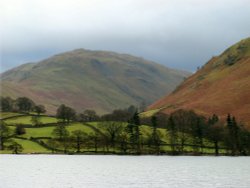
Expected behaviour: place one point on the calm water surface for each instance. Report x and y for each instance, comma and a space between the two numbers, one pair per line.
62, 171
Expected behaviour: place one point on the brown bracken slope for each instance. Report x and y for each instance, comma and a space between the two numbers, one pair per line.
221, 86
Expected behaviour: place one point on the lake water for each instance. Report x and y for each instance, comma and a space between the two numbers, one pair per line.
67, 171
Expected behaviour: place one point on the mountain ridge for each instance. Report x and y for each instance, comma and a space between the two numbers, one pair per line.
99, 80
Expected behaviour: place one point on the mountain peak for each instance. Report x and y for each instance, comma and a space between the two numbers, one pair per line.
85, 79
235, 53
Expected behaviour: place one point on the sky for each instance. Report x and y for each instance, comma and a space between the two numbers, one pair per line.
181, 34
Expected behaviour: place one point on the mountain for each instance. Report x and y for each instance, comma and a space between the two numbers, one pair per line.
85, 79
221, 86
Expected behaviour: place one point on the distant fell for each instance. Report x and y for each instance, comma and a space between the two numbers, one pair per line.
221, 86
85, 79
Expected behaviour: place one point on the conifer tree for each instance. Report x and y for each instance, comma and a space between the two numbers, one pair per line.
172, 133
155, 135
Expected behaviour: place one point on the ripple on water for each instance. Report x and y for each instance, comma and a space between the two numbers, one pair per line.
63, 171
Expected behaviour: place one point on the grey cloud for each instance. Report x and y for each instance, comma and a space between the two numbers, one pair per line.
181, 34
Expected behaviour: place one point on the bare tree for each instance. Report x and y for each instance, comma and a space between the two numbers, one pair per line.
112, 130
79, 137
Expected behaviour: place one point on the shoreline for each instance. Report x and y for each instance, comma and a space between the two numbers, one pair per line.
117, 154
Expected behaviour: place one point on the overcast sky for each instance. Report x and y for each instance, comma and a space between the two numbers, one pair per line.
180, 34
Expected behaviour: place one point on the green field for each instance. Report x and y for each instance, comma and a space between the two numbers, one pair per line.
44, 133
27, 120
28, 147
79, 126
8, 114
47, 131
149, 113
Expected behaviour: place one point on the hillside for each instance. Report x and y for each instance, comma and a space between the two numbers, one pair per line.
221, 86
85, 79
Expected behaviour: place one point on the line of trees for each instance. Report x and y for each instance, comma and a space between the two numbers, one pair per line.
185, 129
183, 125
121, 115
21, 104
65, 113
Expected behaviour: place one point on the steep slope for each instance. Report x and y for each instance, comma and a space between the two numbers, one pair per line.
222, 86
87, 79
